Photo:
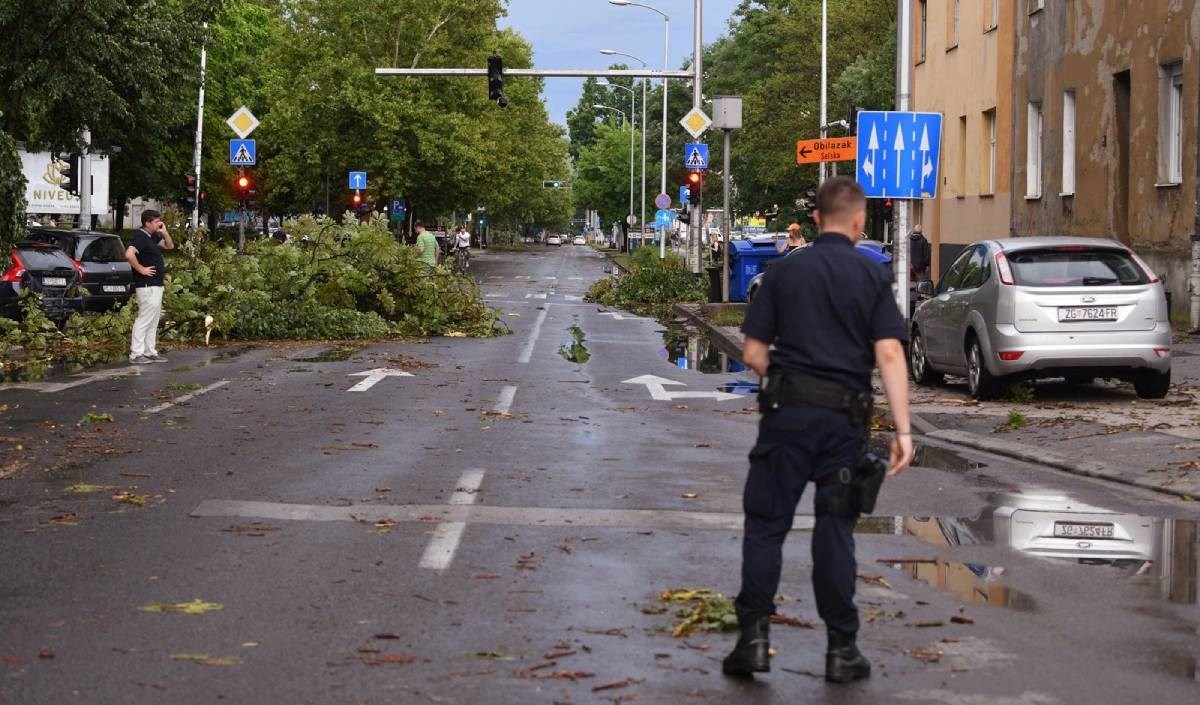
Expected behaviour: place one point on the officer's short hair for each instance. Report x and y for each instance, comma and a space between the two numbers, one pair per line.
840, 197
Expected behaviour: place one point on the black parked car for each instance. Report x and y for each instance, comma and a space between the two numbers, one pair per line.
107, 277
38, 267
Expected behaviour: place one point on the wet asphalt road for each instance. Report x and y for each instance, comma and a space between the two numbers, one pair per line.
496, 528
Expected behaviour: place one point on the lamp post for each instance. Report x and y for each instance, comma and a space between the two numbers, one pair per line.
611, 52
626, 119
662, 250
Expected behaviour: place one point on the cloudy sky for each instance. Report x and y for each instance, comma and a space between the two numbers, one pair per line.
571, 33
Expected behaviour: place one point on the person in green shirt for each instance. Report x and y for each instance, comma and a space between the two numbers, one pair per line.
428, 245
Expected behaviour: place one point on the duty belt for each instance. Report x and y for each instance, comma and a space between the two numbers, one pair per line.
798, 389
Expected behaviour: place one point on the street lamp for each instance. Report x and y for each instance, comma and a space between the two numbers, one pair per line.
632, 100
666, 64
613, 52
626, 119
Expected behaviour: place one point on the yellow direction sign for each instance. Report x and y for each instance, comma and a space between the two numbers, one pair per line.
695, 122
830, 149
242, 122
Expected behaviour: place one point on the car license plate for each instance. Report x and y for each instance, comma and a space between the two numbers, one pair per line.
114, 289
1087, 313
1077, 530
54, 281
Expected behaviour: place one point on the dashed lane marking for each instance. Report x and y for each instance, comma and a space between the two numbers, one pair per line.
186, 397
439, 554
535, 296
505, 401
527, 352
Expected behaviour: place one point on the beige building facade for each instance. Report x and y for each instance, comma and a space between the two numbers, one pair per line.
963, 69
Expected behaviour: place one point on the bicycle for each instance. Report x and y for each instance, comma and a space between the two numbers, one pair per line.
462, 260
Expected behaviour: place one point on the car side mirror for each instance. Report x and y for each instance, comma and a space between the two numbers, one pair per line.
925, 289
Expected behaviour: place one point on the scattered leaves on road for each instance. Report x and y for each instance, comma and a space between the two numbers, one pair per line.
618, 684
874, 580
85, 488
207, 660
926, 654
689, 495
196, 606
704, 610
137, 500
387, 659
792, 621
92, 417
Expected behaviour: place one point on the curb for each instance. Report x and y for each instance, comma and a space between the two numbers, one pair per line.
1040, 456
728, 343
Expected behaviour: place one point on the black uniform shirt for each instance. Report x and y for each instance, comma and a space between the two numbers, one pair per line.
823, 309
148, 255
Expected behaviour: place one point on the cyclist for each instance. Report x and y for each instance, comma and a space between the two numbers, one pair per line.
462, 249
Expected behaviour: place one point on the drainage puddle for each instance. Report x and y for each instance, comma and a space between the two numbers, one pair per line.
218, 359
340, 353
689, 349
576, 352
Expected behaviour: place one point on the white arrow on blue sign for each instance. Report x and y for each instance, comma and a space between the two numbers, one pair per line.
663, 218
683, 196
358, 179
695, 155
242, 153
898, 153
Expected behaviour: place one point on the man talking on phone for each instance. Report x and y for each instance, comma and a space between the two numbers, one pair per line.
144, 255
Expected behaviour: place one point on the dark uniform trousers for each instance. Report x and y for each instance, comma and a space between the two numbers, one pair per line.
797, 445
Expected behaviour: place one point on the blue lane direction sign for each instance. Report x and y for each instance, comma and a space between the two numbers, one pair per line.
695, 155
663, 218
358, 179
242, 153
899, 153
683, 196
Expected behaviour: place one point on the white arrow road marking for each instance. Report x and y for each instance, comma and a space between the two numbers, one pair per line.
656, 386
186, 397
374, 377
51, 387
448, 534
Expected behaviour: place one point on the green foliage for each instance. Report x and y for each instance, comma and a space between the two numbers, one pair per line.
652, 285
1016, 420
602, 173
329, 281
12, 193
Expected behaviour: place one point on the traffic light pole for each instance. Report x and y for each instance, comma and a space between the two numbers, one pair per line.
85, 182
903, 72
695, 246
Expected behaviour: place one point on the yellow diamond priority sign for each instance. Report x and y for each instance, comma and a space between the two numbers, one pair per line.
695, 122
242, 122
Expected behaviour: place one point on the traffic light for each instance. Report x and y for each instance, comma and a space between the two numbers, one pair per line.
356, 199
495, 71
684, 216
887, 210
695, 184
203, 200
244, 186
70, 175
189, 190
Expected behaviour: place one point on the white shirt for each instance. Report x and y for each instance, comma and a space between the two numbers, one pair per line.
463, 239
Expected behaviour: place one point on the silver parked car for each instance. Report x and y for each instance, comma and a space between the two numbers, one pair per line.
1032, 307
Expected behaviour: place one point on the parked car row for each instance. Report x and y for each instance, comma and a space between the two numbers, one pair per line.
73, 270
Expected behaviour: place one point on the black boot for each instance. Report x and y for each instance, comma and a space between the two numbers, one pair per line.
843, 661
751, 655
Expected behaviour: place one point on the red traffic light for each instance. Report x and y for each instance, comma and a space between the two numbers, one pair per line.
357, 199
243, 182
694, 177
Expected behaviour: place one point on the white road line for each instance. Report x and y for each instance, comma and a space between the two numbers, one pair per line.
535, 296
505, 402
572, 297
527, 353
448, 534
186, 397
575, 279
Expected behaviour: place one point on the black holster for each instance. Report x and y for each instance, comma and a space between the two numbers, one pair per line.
855, 488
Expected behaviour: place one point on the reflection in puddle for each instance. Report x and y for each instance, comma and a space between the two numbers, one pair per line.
740, 386
218, 359
575, 352
689, 349
38, 369
972, 583
340, 353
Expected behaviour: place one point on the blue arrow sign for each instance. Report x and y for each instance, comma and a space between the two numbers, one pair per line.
899, 153
663, 218
695, 155
242, 153
683, 196
358, 179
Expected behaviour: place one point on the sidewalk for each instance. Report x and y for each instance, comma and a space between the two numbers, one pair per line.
1099, 430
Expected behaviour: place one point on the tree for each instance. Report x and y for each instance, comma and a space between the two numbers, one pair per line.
602, 174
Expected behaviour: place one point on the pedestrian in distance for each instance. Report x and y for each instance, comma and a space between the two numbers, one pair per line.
144, 255
918, 255
795, 239
830, 315
427, 244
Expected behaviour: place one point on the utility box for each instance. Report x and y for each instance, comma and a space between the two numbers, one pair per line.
727, 112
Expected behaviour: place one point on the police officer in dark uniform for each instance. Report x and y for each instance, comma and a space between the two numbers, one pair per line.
830, 314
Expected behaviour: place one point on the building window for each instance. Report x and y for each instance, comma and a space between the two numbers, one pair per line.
1033, 151
989, 152
923, 42
1170, 111
960, 175
952, 28
1068, 144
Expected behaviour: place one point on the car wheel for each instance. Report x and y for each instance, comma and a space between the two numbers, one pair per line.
1152, 385
981, 384
918, 362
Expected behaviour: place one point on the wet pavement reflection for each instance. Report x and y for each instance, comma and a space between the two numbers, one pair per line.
339, 353
689, 349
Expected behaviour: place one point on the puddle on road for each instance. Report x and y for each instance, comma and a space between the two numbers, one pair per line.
339, 353
219, 359
740, 386
576, 352
38, 369
689, 349
973, 583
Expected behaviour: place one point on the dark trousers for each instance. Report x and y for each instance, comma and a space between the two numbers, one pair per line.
797, 445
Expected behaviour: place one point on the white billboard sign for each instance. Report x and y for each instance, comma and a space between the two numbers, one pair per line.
43, 190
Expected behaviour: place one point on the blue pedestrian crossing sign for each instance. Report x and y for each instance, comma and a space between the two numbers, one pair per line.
663, 218
899, 153
242, 153
695, 155
358, 179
